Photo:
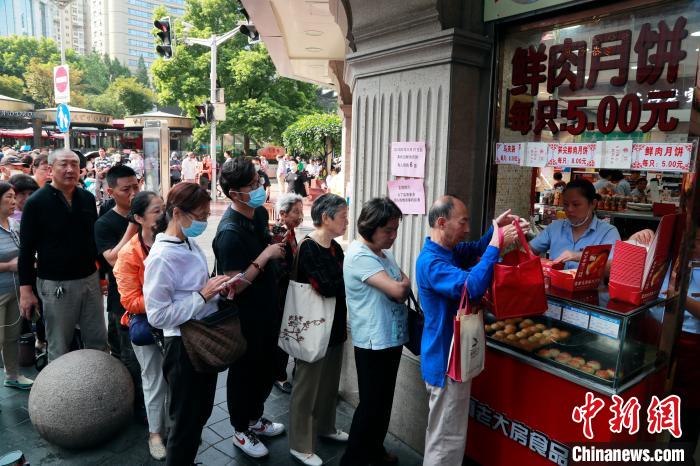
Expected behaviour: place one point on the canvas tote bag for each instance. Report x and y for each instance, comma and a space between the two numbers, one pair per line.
468, 347
307, 319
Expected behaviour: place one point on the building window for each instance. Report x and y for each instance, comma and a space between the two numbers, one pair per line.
139, 53
140, 43
136, 32
143, 4
142, 14
143, 24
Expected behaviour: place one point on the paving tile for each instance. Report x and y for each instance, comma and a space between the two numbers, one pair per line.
223, 428
213, 457
210, 437
276, 407
217, 414
221, 379
220, 395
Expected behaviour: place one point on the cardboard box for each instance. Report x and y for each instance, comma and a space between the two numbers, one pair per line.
637, 272
590, 270
548, 265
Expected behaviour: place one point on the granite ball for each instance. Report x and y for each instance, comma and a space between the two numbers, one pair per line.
81, 399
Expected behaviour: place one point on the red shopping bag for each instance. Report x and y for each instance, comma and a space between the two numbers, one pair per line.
468, 347
517, 288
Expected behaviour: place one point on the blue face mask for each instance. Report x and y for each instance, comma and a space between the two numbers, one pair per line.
195, 229
257, 197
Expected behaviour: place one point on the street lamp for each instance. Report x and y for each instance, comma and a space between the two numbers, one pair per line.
213, 43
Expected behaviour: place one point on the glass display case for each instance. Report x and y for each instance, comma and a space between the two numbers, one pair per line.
586, 338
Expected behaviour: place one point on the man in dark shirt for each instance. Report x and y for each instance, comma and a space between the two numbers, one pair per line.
57, 231
242, 245
112, 232
263, 177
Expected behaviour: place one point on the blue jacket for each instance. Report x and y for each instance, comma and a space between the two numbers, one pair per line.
440, 281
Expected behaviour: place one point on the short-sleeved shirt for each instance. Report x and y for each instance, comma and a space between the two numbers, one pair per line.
376, 321
691, 324
9, 250
109, 230
559, 237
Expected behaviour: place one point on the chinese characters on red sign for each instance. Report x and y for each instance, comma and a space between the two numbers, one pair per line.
661, 415
657, 50
581, 155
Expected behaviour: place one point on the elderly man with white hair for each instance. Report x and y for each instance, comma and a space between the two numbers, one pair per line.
57, 229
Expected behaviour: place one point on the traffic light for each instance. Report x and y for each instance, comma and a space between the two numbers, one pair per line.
202, 114
166, 35
250, 31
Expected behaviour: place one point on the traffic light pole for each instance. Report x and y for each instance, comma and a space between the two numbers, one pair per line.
213, 43
212, 135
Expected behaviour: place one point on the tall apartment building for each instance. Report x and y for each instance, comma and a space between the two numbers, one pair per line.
123, 28
27, 18
75, 20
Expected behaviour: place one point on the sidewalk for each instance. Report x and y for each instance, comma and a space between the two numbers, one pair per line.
130, 448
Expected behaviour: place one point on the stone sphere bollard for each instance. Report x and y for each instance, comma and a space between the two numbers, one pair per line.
81, 399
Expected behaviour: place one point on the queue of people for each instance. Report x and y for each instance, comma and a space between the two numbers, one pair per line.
158, 280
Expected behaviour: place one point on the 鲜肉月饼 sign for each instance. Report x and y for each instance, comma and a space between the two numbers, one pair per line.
571, 69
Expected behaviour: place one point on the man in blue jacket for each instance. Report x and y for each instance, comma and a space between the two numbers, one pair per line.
440, 274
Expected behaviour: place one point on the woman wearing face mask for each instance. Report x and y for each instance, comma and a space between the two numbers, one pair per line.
146, 212
566, 239
176, 289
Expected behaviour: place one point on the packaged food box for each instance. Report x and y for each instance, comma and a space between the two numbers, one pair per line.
590, 270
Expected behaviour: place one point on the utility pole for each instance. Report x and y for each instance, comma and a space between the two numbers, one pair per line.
62, 4
213, 43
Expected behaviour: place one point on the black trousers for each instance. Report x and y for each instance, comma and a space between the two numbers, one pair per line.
376, 379
113, 339
250, 378
128, 358
281, 362
191, 397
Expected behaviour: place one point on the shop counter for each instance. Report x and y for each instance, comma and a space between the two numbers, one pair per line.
539, 369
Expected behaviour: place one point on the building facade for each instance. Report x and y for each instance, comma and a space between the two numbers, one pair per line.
123, 29
33, 18
75, 30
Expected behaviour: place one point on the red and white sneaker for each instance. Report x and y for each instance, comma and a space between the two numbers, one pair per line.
266, 428
250, 445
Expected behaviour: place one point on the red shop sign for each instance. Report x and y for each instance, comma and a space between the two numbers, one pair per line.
658, 49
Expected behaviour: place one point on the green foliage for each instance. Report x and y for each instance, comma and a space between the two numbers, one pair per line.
38, 79
17, 51
11, 86
260, 104
142, 73
308, 134
95, 73
125, 96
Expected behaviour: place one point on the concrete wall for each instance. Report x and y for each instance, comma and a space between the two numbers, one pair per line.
420, 71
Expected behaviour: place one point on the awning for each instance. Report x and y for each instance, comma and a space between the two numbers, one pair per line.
25, 134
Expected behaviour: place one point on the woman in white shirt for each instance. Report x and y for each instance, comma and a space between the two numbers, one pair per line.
176, 289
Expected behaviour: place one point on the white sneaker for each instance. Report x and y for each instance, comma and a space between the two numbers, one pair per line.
338, 436
156, 449
266, 428
250, 445
309, 459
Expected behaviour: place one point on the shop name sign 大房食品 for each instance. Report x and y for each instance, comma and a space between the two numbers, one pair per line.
516, 431
659, 51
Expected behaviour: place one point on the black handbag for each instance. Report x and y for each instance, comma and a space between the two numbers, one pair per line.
416, 320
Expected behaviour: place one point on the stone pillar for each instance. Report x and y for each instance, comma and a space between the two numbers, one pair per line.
37, 141
420, 71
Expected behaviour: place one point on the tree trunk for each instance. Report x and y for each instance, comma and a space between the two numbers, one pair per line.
329, 154
246, 144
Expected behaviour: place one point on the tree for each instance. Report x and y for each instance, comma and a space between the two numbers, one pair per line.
11, 86
17, 51
106, 103
315, 134
95, 73
142, 73
135, 97
260, 103
39, 84
115, 69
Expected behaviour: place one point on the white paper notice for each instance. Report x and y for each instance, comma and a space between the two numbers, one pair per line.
535, 154
408, 159
614, 154
553, 310
662, 157
604, 325
509, 153
575, 317
578, 155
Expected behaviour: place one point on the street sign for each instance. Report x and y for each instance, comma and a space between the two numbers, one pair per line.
63, 118
61, 84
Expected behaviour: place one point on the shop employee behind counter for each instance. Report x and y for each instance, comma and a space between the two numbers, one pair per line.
565, 240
